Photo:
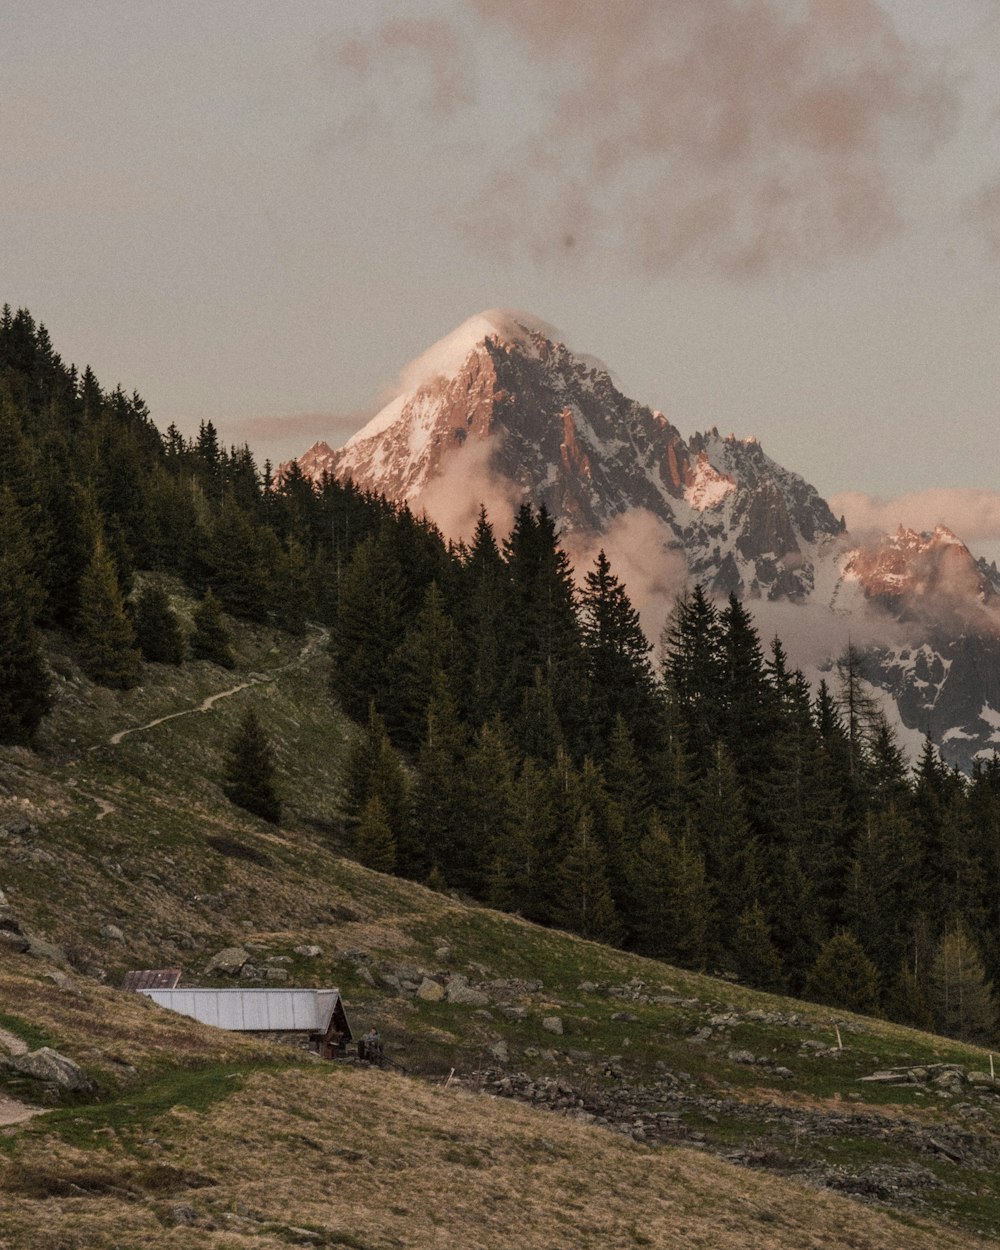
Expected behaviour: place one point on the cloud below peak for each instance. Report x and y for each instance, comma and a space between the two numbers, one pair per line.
972, 513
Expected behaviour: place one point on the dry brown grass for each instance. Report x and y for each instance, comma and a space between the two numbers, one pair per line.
377, 1161
105, 1029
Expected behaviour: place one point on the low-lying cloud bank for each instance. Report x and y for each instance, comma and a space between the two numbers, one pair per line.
972, 513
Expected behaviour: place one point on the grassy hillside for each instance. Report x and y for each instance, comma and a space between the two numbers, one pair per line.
669, 1109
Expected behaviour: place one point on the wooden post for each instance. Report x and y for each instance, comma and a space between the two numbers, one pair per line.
992, 1073
840, 1044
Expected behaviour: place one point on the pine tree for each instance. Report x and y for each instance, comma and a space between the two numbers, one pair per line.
250, 770
731, 853
906, 1002
694, 669
370, 623
490, 803
547, 637
105, 636
373, 770
757, 962
673, 901
438, 813
844, 976
25, 686
425, 657
211, 640
582, 900
961, 999
374, 844
617, 658
157, 629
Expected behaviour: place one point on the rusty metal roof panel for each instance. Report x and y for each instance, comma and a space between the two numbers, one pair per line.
243, 1011
151, 979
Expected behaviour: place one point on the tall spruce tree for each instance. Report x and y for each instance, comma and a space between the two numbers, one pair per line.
694, 671
25, 686
617, 656
157, 629
105, 635
250, 769
844, 976
211, 640
961, 999
374, 844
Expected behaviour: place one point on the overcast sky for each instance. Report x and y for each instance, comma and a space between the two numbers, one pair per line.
780, 217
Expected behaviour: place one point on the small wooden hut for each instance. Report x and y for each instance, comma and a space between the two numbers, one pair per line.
313, 1020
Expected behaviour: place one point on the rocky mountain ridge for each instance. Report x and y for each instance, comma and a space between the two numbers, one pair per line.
502, 410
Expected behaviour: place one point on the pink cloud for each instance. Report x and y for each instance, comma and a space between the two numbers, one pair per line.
743, 136
973, 514
983, 211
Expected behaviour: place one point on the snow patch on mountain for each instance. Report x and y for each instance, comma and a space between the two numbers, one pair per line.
707, 487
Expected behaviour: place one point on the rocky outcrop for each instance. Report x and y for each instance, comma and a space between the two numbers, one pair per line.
517, 415
52, 1069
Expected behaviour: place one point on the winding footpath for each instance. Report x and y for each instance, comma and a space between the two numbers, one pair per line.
206, 705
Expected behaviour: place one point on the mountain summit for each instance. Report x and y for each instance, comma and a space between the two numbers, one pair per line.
502, 407
502, 412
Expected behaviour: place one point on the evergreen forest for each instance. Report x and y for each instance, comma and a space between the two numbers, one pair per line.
519, 739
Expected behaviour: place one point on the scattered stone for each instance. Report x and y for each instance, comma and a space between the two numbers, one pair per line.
38, 949
14, 943
180, 1214
364, 974
742, 1056
309, 952
429, 991
553, 1024
628, 1016
460, 991
278, 959
229, 961
514, 1013
62, 980
500, 1051
111, 933
443, 955
587, 987
54, 1069
276, 974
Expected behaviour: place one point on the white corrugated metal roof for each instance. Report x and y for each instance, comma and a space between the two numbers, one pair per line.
246, 1010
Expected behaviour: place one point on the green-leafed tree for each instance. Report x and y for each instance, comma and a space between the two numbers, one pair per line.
844, 976
157, 629
250, 770
105, 636
211, 639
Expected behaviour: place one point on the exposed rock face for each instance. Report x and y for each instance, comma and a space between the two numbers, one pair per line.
54, 1069
523, 417
502, 412
229, 961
